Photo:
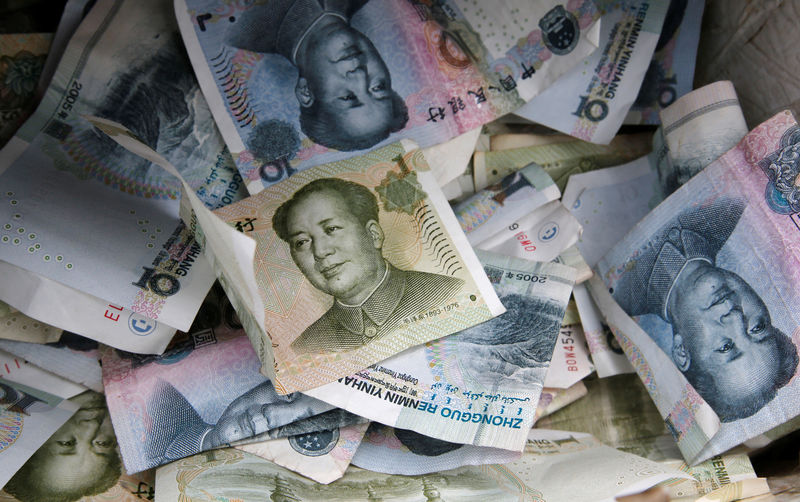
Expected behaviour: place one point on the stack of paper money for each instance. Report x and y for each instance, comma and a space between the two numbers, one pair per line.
390, 250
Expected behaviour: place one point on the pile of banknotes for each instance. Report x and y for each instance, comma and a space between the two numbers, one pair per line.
393, 250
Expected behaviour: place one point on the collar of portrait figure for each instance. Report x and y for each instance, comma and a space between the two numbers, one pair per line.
672, 286
308, 30
383, 279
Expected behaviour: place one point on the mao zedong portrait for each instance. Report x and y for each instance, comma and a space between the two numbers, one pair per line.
179, 431
344, 88
336, 241
79, 460
723, 337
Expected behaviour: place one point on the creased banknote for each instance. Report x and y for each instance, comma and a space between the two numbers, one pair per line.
608, 357
335, 78
79, 462
14, 325
608, 203
550, 457
28, 417
541, 235
619, 412
362, 281
671, 71
71, 356
51, 302
552, 400
71, 17
495, 207
570, 362
591, 101
17, 369
559, 160
695, 131
709, 278
399, 451
204, 392
125, 62
22, 57
479, 386
320, 455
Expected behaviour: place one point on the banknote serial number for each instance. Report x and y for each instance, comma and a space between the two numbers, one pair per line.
431, 313
69, 99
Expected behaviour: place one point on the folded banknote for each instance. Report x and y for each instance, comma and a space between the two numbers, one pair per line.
124, 62
204, 392
365, 256
591, 101
709, 277
479, 386
671, 71
560, 159
56, 304
695, 131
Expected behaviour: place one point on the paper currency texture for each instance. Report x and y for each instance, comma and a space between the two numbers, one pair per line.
479, 386
709, 277
591, 101
125, 62
204, 392
550, 457
335, 78
357, 261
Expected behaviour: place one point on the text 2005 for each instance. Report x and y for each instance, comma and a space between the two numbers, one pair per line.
531, 278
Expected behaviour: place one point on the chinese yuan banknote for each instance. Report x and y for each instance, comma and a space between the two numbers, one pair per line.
398, 451
22, 57
357, 261
124, 62
559, 160
591, 101
479, 386
203, 392
710, 278
336, 79
549, 458
28, 417
671, 71
80, 461
342, 265
695, 130
495, 207
322, 455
